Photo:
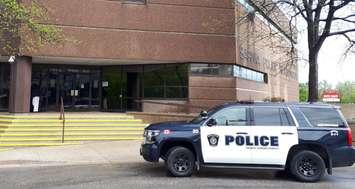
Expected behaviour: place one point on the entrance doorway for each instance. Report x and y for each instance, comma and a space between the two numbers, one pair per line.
133, 91
78, 86
122, 88
4, 86
80, 90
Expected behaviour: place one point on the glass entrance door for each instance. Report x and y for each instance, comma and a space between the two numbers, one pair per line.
80, 87
4, 86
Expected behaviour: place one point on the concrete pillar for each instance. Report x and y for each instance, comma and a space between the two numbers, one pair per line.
20, 85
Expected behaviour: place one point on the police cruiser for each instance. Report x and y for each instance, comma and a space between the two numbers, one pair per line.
304, 140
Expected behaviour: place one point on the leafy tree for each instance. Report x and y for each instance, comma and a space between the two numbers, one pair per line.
22, 28
303, 89
347, 91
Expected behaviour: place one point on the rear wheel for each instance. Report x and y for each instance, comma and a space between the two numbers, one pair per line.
180, 162
307, 166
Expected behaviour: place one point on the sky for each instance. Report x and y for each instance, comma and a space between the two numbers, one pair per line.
333, 67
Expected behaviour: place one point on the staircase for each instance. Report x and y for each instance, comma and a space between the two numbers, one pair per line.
46, 130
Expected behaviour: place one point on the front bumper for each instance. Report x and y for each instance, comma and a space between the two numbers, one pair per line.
150, 152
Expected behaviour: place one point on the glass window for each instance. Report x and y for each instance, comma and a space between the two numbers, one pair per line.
249, 74
236, 116
135, 1
165, 81
153, 81
4, 86
246, 5
270, 116
323, 117
212, 69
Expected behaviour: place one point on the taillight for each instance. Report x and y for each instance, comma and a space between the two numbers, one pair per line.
350, 137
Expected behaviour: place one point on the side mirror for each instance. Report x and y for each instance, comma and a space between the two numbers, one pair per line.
211, 122
203, 114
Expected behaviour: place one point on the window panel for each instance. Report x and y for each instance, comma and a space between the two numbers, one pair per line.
249, 74
212, 69
165, 81
270, 116
231, 117
134, 1
323, 117
4, 86
226, 71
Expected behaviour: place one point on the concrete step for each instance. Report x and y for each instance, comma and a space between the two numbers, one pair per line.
92, 124
83, 116
75, 129
46, 130
36, 144
71, 127
22, 135
68, 138
12, 121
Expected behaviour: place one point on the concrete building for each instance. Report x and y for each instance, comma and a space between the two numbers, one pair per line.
151, 56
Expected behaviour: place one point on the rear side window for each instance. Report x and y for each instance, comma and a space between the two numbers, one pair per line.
323, 117
272, 116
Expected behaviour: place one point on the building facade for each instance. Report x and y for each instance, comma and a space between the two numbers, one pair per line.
147, 55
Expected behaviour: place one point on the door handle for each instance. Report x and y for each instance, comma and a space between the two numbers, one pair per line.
242, 133
286, 133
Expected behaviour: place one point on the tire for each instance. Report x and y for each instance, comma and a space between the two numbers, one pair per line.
307, 166
180, 162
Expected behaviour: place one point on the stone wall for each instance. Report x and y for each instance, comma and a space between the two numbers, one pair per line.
161, 117
348, 111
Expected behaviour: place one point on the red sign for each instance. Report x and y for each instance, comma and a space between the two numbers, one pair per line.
331, 96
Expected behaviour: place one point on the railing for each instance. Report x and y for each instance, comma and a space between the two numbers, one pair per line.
62, 117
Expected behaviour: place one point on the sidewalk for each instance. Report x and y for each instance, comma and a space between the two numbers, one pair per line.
86, 153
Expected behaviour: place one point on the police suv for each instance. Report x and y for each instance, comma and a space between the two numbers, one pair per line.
305, 140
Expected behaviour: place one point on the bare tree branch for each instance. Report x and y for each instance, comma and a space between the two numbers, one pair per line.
341, 32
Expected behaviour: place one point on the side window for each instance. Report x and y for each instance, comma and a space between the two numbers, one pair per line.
236, 116
271, 116
323, 117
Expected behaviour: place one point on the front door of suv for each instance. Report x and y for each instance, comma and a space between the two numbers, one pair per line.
218, 137
274, 132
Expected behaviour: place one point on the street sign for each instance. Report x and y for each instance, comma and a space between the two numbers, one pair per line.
331, 96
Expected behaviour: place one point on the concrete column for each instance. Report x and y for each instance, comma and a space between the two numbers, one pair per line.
20, 85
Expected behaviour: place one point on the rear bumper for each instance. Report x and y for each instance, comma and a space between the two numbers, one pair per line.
344, 157
150, 152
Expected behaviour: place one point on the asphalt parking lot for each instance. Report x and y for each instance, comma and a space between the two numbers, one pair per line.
99, 167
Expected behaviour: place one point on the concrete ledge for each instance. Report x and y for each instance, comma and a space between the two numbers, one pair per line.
161, 117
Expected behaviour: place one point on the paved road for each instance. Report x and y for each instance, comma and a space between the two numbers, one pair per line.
142, 175
132, 172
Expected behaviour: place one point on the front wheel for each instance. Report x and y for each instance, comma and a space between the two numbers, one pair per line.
307, 166
180, 162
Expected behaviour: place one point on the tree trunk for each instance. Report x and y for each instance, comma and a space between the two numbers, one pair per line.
313, 77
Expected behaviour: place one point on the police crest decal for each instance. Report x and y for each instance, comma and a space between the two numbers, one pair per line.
213, 139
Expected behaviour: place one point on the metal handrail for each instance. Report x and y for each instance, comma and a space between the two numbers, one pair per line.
62, 117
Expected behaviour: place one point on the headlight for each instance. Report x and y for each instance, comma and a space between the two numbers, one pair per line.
149, 135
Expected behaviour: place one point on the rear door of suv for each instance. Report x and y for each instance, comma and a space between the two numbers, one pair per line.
326, 126
275, 130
